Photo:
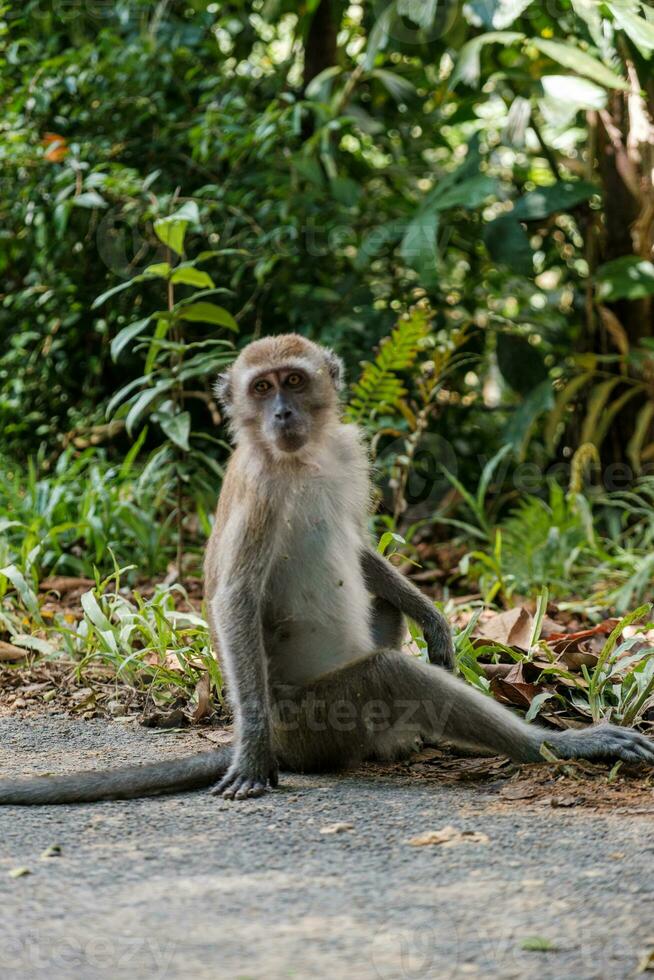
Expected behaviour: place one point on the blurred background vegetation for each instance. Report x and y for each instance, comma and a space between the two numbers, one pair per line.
458, 197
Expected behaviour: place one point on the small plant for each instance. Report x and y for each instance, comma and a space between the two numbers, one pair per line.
176, 368
397, 393
72, 518
158, 644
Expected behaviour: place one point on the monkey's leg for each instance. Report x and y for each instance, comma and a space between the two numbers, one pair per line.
444, 707
388, 625
175, 775
383, 706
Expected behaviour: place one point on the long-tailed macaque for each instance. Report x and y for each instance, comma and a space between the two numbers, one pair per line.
307, 619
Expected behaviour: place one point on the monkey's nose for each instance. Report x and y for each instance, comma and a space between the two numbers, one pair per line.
283, 414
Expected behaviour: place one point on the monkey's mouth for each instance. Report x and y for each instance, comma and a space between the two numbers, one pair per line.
289, 438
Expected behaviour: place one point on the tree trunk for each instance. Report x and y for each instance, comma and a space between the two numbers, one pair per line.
320, 49
625, 158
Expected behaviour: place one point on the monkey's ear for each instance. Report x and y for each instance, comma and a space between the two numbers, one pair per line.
336, 368
223, 389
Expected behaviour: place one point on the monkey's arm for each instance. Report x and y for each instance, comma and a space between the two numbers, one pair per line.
236, 614
383, 580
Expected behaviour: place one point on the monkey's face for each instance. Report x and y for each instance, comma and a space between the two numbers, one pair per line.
284, 400
281, 392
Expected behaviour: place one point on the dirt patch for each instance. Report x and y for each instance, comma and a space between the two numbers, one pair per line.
567, 785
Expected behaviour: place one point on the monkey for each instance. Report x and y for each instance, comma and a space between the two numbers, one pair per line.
307, 619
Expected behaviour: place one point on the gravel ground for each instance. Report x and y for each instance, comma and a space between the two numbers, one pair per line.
193, 887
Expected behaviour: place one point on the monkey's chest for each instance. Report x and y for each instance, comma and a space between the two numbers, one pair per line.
317, 610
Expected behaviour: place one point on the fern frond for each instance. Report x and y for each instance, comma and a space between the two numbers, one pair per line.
379, 387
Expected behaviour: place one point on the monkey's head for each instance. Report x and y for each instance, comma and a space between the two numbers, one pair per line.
281, 391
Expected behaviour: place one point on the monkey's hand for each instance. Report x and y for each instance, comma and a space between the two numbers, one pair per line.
253, 769
440, 646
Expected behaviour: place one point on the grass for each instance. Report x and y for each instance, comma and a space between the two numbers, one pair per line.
74, 518
157, 644
597, 545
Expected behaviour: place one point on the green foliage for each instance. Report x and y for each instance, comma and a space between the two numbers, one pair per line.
380, 387
328, 207
81, 514
175, 364
159, 644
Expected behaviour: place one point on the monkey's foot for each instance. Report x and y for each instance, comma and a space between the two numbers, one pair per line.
604, 742
246, 782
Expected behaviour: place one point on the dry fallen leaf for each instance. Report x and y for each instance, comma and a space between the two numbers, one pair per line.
448, 837
336, 828
564, 801
518, 791
220, 736
10, 652
203, 707
65, 583
511, 628
513, 688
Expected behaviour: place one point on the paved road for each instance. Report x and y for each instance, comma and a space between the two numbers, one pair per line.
191, 887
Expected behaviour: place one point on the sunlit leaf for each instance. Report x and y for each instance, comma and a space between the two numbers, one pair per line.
571, 56
172, 229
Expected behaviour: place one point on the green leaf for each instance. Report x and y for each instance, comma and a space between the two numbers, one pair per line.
33, 643
160, 332
208, 313
123, 337
570, 56
144, 401
346, 191
192, 277
520, 363
158, 270
122, 394
560, 196
421, 12
497, 13
379, 35
468, 64
401, 89
508, 243
626, 278
637, 28
28, 597
376, 240
94, 613
540, 400
172, 230
580, 92
89, 199
178, 429
537, 704
589, 12
319, 86
467, 194
99, 300
419, 247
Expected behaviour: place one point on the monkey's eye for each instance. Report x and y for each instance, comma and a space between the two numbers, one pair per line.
294, 380
261, 387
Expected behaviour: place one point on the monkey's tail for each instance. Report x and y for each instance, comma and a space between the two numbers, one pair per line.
175, 775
